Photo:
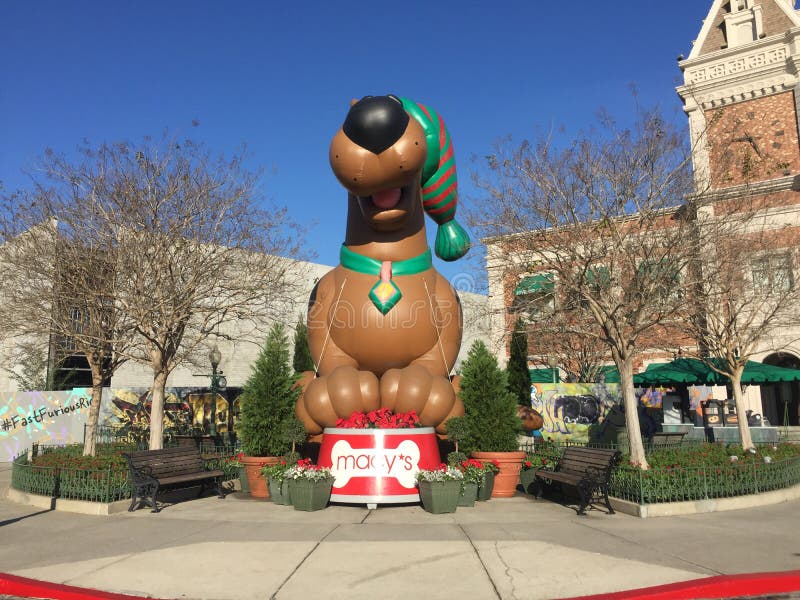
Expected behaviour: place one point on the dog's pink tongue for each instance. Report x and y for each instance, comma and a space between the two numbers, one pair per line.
386, 199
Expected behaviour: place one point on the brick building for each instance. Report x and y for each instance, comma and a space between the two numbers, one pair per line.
741, 94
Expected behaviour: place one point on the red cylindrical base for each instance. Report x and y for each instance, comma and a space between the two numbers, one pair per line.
377, 466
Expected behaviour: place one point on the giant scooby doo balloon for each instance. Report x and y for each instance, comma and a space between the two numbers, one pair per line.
384, 326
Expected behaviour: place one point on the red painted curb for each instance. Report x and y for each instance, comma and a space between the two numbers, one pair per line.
32, 588
718, 587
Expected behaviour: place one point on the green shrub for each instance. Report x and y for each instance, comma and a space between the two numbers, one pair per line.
302, 360
519, 376
490, 409
268, 398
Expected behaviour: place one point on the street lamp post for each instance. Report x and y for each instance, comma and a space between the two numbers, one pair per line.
552, 362
218, 381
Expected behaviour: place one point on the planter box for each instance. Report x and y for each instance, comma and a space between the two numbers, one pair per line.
468, 495
377, 466
309, 495
439, 497
485, 489
526, 478
243, 482
279, 491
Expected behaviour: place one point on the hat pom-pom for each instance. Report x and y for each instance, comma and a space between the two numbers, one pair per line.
452, 242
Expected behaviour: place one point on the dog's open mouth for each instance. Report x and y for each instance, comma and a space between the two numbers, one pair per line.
387, 199
388, 209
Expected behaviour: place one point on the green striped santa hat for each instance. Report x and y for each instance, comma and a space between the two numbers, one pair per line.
440, 183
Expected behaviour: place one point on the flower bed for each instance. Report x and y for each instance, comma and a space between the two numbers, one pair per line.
382, 418
67, 474
698, 472
63, 472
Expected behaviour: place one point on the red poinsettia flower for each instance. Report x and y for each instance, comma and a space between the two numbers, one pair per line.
381, 418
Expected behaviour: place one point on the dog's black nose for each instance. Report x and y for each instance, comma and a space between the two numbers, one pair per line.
376, 122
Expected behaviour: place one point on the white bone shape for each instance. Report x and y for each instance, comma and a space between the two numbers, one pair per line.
402, 463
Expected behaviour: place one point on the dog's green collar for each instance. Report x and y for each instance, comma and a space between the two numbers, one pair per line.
385, 294
370, 266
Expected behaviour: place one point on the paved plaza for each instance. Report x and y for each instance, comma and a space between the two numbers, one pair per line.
516, 548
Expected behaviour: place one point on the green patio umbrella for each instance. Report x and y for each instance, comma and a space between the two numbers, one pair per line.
611, 374
544, 375
693, 371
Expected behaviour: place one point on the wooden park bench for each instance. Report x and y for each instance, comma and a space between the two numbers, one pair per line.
588, 470
154, 470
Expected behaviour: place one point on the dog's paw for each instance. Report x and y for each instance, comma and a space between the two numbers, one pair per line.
415, 388
338, 395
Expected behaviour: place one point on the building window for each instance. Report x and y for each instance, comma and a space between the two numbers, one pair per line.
593, 282
772, 273
534, 296
663, 277
76, 323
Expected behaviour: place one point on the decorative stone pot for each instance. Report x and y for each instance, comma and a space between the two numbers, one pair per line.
243, 484
439, 497
279, 491
526, 478
310, 495
505, 482
255, 479
485, 488
469, 493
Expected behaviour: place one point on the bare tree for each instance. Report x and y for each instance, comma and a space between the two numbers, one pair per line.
202, 258
59, 281
603, 217
186, 249
581, 356
746, 297
32, 360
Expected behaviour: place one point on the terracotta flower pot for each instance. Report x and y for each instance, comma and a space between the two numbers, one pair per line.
256, 481
505, 482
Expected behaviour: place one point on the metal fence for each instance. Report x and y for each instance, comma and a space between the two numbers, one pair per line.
95, 485
678, 483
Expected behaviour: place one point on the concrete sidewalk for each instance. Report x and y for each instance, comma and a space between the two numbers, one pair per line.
239, 548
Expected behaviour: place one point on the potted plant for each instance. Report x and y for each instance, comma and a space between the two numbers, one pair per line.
528, 473
486, 486
268, 399
236, 462
277, 482
457, 430
491, 413
440, 488
473, 477
309, 485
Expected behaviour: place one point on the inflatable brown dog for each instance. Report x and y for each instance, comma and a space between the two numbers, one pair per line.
384, 326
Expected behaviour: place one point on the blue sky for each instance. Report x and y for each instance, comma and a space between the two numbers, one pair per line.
279, 77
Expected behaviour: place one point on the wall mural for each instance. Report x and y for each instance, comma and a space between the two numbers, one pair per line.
28, 418
571, 410
184, 409
41, 417
593, 411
